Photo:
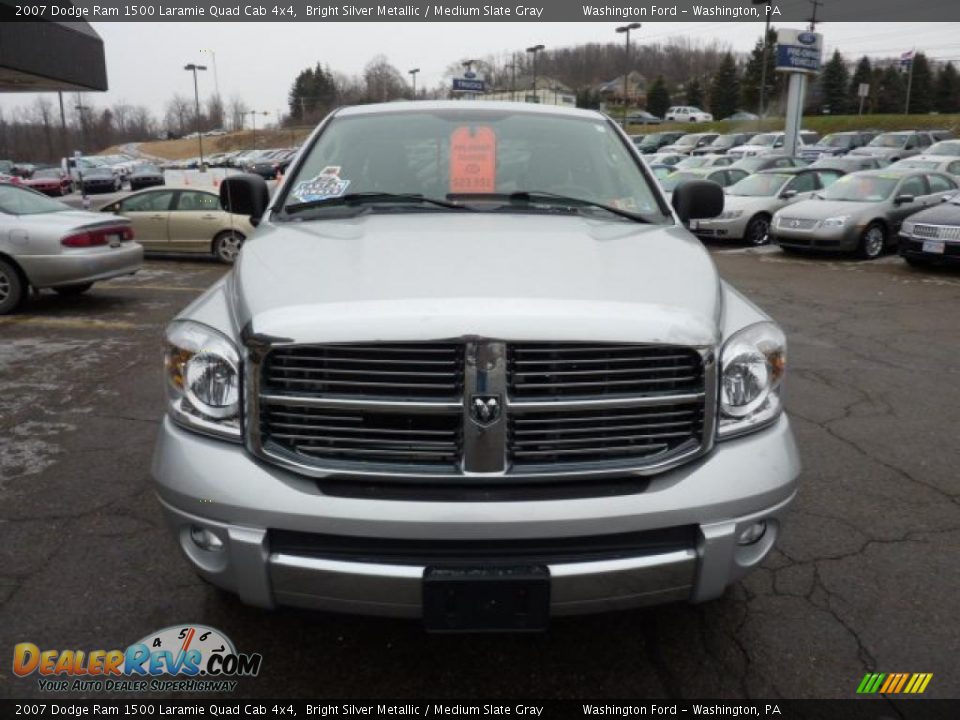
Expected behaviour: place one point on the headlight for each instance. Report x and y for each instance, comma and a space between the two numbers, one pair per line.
730, 214
752, 365
907, 228
839, 221
203, 379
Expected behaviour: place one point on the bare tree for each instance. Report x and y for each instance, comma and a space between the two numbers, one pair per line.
237, 110
384, 81
178, 114
215, 112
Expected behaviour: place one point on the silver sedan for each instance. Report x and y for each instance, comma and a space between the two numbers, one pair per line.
46, 244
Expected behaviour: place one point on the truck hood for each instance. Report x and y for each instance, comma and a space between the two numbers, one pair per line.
420, 276
822, 209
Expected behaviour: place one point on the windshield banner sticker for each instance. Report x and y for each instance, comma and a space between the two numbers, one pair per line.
328, 184
473, 160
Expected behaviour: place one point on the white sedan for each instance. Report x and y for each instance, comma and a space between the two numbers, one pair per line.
46, 244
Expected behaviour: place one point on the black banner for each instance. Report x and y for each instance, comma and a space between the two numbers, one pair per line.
479, 11
865, 709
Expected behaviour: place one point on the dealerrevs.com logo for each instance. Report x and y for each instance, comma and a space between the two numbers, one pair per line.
188, 658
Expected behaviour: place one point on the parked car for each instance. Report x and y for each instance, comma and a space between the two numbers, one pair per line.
24, 170
654, 141
940, 135
767, 162
50, 181
184, 220
940, 163
688, 143
862, 211
670, 159
750, 204
46, 244
771, 144
944, 148
687, 113
704, 161
721, 176
835, 145
6, 167
145, 176
932, 236
892, 146
742, 116
642, 117
100, 180
848, 163
371, 370
636, 139
266, 166
722, 143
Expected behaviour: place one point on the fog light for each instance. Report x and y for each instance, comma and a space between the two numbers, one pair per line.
205, 540
752, 533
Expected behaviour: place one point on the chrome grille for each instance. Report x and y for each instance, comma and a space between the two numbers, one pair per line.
791, 223
936, 232
578, 370
330, 435
395, 370
602, 435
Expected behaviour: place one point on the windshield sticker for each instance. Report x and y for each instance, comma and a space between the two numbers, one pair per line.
473, 160
328, 184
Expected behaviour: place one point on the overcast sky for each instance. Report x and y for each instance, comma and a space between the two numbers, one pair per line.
258, 61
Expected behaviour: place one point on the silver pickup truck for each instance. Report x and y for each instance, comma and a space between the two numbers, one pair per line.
472, 368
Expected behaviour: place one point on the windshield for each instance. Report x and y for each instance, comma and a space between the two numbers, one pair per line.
760, 185
725, 141
945, 148
19, 201
889, 140
693, 162
836, 141
765, 139
98, 171
861, 188
688, 140
451, 153
148, 170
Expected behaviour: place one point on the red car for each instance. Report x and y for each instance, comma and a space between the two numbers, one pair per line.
50, 181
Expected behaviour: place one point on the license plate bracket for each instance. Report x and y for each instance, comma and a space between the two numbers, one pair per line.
933, 246
486, 599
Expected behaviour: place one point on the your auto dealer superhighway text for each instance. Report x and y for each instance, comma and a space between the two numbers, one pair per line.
424, 710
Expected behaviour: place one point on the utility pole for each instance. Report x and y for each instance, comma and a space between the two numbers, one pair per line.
63, 126
83, 122
813, 18
763, 64
413, 75
625, 29
196, 96
216, 79
913, 54
534, 50
253, 122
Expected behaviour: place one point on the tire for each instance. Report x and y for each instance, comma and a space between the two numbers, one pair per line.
757, 232
73, 290
12, 288
873, 241
226, 246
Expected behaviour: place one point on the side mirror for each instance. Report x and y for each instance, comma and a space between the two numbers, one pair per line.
697, 200
903, 199
788, 194
245, 195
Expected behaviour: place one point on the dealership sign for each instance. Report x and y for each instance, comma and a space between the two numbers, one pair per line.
469, 85
799, 51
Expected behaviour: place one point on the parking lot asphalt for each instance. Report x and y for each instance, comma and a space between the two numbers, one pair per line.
865, 577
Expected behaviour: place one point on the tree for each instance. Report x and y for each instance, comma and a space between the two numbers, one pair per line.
215, 112
384, 81
891, 89
312, 95
725, 89
178, 113
237, 111
694, 93
658, 100
863, 74
921, 85
947, 92
753, 71
834, 85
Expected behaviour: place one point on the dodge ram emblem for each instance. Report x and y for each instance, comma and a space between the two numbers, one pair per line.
485, 409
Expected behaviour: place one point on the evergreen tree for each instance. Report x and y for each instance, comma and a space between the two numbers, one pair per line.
752, 73
834, 85
658, 101
891, 89
725, 89
694, 93
947, 93
921, 85
862, 74
313, 94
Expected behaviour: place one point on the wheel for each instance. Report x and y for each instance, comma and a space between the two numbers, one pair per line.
12, 289
758, 230
873, 241
226, 246
72, 290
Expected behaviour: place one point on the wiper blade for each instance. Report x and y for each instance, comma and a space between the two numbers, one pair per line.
532, 196
371, 198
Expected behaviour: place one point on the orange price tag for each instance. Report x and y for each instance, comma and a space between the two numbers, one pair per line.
473, 160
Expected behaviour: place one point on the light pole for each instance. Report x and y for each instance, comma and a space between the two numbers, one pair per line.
513, 77
196, 96
253, 123
534, 50
413, 77
625, 29
763, 66
216, 80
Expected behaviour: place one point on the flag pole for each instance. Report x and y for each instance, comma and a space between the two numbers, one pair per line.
913, 55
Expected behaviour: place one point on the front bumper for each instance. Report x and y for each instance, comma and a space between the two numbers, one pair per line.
842, 239
74, 267
732, 229
912, 247
207, 484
